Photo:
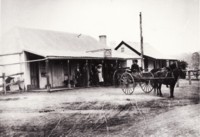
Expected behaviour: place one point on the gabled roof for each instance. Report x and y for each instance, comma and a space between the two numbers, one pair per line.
19, 39
149, 51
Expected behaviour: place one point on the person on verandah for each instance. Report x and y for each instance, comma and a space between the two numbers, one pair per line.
100, 74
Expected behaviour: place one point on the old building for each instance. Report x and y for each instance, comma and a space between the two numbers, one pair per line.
51, 59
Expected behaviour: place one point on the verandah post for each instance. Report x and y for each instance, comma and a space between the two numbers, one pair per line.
68, 72
103, 71
4, 83
47, 75
116, 64
88, 75
189, 76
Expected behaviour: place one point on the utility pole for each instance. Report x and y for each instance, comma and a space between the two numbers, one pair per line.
141, 42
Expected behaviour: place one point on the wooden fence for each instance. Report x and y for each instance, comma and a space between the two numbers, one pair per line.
191, 73
4, 85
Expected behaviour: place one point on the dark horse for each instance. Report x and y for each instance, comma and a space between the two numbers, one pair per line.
167, 76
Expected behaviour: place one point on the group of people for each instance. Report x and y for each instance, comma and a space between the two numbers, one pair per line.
101, 75
94, 74
97, 74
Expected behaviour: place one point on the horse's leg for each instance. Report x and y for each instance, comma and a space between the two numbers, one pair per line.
172, 90
160, 89
157, 87
155, 90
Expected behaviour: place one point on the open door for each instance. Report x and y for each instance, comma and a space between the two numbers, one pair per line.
34, 72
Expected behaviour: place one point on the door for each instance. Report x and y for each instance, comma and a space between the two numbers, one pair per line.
34, 71
57, 74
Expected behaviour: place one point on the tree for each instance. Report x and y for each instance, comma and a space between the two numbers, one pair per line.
195, 60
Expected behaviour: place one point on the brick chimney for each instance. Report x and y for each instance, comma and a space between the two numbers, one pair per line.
102, 39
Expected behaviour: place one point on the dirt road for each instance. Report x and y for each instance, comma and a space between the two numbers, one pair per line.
102, 112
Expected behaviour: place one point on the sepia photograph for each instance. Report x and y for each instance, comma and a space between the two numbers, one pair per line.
99, 68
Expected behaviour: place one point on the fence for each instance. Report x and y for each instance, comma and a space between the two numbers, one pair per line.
6, 84
195, 73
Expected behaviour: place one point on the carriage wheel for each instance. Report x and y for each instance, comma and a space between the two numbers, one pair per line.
116, 78
127, 83
146, 83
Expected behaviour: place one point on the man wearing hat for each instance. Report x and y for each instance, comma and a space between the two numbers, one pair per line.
135, 69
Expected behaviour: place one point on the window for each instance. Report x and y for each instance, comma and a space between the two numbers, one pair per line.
122, 49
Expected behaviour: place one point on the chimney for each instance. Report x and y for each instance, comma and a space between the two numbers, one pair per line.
102, 39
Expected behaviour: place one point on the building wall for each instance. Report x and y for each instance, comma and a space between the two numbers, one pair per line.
26, 69
150, 64
16, 68
42, 75
126, 50
9, 59
57, 73
129, 63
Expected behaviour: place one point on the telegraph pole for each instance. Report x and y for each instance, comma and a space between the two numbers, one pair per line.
141, 42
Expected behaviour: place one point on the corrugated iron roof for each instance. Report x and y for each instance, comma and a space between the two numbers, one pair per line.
55, 44
36, 39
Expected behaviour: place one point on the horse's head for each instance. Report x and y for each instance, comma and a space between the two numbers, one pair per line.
178, 73
182, 73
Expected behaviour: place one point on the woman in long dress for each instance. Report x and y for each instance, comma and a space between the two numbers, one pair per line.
100, 74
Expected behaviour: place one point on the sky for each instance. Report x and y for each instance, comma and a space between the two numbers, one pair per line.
171, 26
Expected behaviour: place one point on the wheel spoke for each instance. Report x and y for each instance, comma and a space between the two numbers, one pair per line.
146, 83
127, 83
128, 92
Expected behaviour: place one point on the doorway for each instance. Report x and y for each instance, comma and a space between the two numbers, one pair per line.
34, 72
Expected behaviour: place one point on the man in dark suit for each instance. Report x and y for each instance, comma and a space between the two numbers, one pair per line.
135, 67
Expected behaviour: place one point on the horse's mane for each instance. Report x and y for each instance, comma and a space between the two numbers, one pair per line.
155, 70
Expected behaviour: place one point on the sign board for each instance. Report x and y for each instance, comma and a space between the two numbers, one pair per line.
107, 53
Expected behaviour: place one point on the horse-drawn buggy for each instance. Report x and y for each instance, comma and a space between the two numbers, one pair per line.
148, 81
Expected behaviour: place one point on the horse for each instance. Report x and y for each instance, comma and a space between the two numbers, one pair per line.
167, 76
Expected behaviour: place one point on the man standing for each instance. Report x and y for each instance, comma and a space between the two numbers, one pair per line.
77, 77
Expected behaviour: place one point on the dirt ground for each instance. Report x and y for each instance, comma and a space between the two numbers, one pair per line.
102, 112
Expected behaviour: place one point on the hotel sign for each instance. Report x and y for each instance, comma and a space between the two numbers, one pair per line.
107, 53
